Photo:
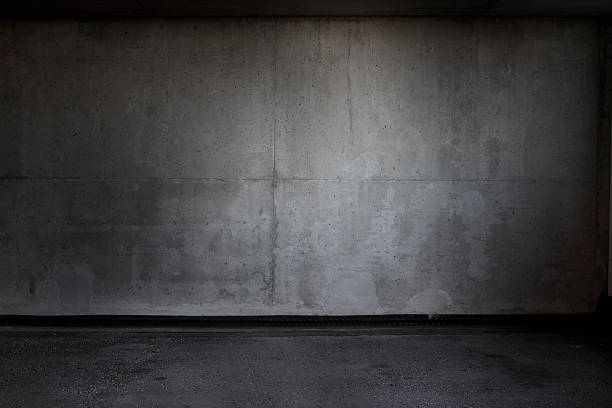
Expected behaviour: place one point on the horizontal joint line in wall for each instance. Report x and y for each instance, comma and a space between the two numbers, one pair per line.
234, 179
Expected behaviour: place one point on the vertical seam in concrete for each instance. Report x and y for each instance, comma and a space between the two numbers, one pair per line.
348, 81
605, 139
602, 162
274, 219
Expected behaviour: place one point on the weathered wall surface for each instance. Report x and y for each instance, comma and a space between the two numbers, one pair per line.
312, 166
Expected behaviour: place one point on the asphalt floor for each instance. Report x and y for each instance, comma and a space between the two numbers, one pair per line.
493, 366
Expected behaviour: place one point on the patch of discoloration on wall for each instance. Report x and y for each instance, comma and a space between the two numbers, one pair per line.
430, 301
74, 285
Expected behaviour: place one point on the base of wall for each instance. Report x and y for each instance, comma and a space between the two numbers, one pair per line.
294, 321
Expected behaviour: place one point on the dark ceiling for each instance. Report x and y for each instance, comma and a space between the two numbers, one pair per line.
210, 8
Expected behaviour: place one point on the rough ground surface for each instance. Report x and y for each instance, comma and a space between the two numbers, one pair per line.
361, 367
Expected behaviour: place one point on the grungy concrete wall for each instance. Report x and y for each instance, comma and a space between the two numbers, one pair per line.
310, 166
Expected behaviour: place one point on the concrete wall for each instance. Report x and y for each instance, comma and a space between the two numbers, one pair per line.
311, 166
